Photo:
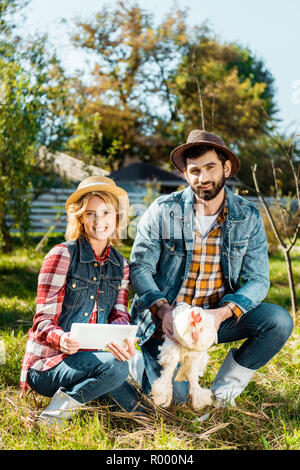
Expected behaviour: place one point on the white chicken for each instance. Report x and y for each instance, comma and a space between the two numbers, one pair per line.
194, 331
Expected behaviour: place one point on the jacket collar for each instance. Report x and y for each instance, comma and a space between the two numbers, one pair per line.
184, 206
235, 213
87, 253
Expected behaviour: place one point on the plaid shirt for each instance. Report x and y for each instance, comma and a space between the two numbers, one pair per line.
204, 285
43, 339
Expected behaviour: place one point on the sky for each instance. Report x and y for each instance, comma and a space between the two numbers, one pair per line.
270, 28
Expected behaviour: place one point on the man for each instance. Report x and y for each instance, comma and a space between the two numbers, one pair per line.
207, 247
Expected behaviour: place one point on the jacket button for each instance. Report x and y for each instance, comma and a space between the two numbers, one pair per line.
94, 278
91, 297
172, 248
74, 285
85, 314
95, 264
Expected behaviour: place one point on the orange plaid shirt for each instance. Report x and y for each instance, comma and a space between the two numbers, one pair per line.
204, 285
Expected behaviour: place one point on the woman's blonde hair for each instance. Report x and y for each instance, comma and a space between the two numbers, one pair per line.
75, 228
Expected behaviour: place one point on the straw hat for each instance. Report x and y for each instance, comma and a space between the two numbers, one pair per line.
99, 183
200, 137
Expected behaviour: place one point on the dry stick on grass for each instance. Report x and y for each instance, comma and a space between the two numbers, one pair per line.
48, 233
177, 422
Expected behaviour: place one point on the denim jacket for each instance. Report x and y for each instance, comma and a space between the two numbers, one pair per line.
163, 248
83, 282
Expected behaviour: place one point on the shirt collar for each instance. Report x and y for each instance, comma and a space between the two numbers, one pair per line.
104, 256
223, 214
87, 253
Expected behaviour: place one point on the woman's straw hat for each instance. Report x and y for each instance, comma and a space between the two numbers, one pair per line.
99, 183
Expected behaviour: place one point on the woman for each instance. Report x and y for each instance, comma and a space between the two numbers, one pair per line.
84, 279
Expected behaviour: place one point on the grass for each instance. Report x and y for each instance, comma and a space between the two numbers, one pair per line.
266, 416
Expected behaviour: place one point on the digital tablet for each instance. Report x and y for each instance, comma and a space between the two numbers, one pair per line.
97, 335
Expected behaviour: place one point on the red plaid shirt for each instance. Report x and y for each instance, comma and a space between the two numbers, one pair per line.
43, 339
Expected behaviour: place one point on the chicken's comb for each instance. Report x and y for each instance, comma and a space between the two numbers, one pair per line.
195, 318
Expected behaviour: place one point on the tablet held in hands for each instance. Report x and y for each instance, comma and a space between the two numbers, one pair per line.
97, 335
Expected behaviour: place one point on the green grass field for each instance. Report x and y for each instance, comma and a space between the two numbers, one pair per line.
266, 416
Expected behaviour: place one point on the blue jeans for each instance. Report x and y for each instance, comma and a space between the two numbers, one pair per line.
266, 327
85, 377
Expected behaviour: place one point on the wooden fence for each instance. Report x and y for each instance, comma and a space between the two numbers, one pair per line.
49, 209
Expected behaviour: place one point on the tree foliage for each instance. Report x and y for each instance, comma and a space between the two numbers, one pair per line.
133, 61
147, 80
151, 84
232, 103
31, 101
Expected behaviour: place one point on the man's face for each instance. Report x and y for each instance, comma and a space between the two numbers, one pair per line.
206, 175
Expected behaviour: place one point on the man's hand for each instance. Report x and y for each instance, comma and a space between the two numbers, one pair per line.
164, 312
220, 314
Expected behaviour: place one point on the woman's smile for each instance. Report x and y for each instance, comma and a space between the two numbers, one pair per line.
99, 221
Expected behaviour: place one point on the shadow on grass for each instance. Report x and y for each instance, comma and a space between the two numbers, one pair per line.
19, 276
34, 239
17, 297
18, 282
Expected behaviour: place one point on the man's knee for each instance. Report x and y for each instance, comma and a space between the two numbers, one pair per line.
121, 371
116, 370
281, 322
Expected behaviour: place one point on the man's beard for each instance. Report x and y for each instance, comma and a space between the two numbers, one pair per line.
209, 194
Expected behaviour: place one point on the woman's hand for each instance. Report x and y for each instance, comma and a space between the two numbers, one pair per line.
122, 354
68, 345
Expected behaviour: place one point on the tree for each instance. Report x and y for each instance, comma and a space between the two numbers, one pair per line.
264, 151
232, 98
31, 100
146, 81
249, 66
133, 60
101, 134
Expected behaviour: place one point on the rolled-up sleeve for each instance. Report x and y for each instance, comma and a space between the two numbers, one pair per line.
145, 255
119, 314
50, 296
254, 272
